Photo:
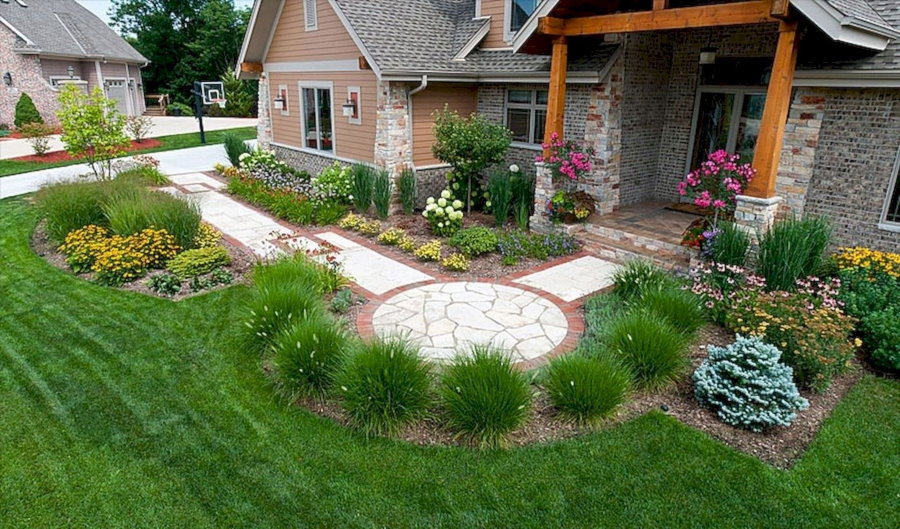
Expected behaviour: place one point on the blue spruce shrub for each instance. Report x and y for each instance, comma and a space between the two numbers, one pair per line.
747, 385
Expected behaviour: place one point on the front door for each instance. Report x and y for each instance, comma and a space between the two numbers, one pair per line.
726, 118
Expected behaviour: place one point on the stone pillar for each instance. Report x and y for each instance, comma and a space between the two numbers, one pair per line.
756, 215
603, 133
393, 136
798, 153
543, 190
264, 120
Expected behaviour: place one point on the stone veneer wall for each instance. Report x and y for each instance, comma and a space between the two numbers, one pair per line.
393, 134
27, 77
798, 153
854, 161
264, 118
603, 133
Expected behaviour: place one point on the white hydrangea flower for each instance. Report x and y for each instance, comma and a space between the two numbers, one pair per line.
445, 194
449, 209
439, 212
430, 200
513, 168
430, 207
456, 185
425, 214
442, 202
488, 203
457, 204
440, 224
244, 156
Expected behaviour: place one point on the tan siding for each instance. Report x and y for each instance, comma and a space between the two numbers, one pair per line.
58, 68
116, 70
496, 10
293, 43
462, 98
356, 142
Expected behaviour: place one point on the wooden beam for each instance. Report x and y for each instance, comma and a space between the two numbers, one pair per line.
775, 113
363, 63
556, 97
660, 4
754, 12
252, 67
779, 8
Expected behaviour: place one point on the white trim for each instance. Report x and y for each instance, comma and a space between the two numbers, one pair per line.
430, 167
314, 152
571, 78
477, 9
317, 85
80, 47
358, 41
100, 81
848, 78
531, 24
473, 41
63, 78
128, 85
532, 107
16, 31
254, 14
337, 65
315, 15
358, 119
892, 187
842, 28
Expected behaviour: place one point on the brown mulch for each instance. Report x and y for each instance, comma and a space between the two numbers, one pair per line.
63, 156
242, 262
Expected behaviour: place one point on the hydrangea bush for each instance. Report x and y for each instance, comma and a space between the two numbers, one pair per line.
334, 183
444, 214
264, 166
747, 385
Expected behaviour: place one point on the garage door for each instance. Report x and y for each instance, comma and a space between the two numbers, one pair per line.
117, 91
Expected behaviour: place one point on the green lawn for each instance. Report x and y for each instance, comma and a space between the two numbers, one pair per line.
169, 143
119, 410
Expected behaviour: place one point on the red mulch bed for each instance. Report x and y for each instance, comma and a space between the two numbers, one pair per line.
63, 156
16, 135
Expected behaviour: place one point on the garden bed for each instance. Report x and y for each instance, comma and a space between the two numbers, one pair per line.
63, 156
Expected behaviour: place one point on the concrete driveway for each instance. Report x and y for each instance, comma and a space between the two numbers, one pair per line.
162, 126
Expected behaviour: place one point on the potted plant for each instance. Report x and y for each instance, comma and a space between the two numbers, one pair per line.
716, 184
565, 159
570, 207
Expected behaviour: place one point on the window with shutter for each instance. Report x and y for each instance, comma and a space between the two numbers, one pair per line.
309, 12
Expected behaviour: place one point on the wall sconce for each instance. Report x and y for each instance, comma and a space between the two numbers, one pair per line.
707, 55
349, 108
71, 71
7, 79
278, 103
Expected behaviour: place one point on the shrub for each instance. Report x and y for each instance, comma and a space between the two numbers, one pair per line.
391, 236
864, 292
38, 135
342, 301
139, 127
370, 228
584, 389
133, 212
637, 276
406, 185
362, 181
430, 251
165, 284
235, 146
483, 397
599, 312
384, 386
870, 260
121, 259
881, 334
444, 216
26, 111
351, 222
381, 193
263, 166
501, 190
406, 244
199, 261
207, 236
474, 241
456, 263
92, 128
680, 308
652, 349
144, 175
274, 308
747, 386
813, 337
729, 246
792, 249
300, 270
69, 206
334, 183
82, 246
179, 109
307, 356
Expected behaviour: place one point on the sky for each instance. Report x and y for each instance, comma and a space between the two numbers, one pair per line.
101, 7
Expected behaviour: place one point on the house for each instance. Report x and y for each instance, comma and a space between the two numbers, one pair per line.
47, 43
807, 89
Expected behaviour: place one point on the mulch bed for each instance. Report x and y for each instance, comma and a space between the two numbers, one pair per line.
63, 156
242, 262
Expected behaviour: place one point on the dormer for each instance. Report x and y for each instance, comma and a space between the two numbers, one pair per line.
507, 18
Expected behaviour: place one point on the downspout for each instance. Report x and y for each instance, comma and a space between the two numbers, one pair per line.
422, 86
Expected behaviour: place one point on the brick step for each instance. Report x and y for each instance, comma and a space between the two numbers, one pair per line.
622, 249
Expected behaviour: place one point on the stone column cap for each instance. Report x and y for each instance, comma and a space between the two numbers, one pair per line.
759, 201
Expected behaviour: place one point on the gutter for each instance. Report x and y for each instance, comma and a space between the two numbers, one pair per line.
423, 84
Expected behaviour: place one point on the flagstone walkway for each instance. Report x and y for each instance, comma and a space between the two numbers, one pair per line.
531, 316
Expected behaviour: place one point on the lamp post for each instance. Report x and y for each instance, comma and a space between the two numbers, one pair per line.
71, 71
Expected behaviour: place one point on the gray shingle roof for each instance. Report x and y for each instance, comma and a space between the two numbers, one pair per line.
64, 27
862, 10
425, 35
821, 53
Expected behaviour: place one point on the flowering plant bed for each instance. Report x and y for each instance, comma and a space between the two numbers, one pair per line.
717, 182
565, 159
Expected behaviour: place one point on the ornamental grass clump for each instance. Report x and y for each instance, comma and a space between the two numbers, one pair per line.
381, 193
680, 308
728, 245
649, 347
586, 390
500, 187
747, 386
406, 185
307, 356
483, 397
132, 212
299, 269
638, 275
273, 308
384, 385
69, 206
792, 249
362, 179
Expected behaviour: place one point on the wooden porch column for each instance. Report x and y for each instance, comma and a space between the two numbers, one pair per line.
556, 98
778, 103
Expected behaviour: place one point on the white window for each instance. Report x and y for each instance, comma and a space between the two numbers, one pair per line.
353, 96
283, 100
892, 204
310, 15
526, 115
317, 122
518, 12
56, 80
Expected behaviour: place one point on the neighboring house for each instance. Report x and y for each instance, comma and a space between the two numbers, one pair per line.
826, 138
47, 43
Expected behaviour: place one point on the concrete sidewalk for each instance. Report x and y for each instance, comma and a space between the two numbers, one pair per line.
162, 126
192, 160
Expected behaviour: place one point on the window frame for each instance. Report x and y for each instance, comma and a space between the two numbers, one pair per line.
892, 190
316, 85
55, 79
306, 15
533, 107
508, 32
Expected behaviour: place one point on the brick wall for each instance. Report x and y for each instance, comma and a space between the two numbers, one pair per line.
303, 160
857, 150
26, 74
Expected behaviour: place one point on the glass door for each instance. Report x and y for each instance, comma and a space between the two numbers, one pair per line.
726, 118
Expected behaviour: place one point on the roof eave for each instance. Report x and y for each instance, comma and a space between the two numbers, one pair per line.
846, 29
531, 24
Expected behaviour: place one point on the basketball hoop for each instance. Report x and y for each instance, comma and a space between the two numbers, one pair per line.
220, 102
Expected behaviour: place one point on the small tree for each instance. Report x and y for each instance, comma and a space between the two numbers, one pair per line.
92, 128
26, 112
139, 127
470, 145
241, 96
38, 135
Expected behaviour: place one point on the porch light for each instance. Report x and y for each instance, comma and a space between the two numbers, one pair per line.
349, 108
707, 55
7, 79
71, 71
